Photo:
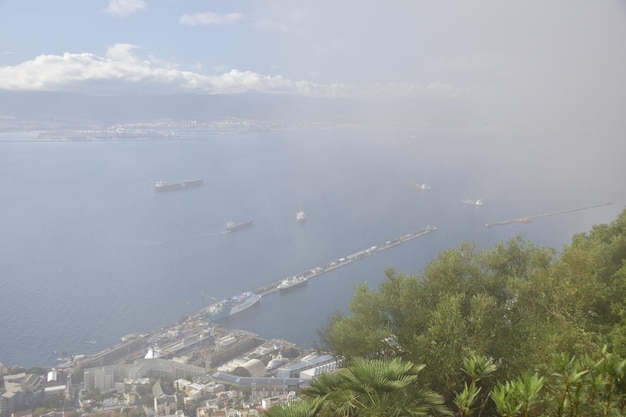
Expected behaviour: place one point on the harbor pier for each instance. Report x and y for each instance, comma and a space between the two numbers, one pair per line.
346, 260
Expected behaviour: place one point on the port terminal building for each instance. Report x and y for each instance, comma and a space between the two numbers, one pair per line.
104, 378
250, 374
293, 376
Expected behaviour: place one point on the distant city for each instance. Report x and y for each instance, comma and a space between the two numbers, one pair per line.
76, 116
172, 129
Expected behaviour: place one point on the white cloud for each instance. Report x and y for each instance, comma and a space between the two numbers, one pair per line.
209, 18
122, 70
123, 8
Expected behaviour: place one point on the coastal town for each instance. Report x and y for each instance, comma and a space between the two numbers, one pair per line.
24, 129
190, 368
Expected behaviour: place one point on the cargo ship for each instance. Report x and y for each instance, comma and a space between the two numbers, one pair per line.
177, 185
292, 282
232, 305
231, 226
300, 215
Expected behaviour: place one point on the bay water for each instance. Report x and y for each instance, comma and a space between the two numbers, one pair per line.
89, 252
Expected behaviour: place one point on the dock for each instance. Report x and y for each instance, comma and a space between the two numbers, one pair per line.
347, 260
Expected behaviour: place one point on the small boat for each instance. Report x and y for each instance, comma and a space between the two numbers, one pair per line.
177, 185
300, 215
421, 187
478, 202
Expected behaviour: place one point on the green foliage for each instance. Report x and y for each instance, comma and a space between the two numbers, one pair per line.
375, 388
515, 303
595, 263
505, 398
589, 385
465, 400
304, 408
469, 399
520, 396
466, 301
343, 332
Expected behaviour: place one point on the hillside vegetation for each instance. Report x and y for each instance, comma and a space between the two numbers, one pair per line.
516, 329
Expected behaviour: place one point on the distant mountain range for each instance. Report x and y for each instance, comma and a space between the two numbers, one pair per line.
48, 106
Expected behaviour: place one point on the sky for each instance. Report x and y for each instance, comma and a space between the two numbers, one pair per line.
555, 59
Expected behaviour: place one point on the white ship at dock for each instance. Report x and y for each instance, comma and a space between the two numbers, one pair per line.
232, 305
292, 282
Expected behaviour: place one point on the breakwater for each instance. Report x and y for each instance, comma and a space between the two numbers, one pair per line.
346, 260
529, 219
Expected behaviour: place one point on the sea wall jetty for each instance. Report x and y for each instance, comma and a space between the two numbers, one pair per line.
346, 260
529, 219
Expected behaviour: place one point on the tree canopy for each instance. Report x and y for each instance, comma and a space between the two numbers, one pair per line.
516, 303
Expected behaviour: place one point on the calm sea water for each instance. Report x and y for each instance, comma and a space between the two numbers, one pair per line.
89, 252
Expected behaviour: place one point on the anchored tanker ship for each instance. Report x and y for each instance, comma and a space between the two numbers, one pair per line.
232, 305
177, 185
231, 226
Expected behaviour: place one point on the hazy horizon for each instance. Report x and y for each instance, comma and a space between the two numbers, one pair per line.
536, 88
557, 64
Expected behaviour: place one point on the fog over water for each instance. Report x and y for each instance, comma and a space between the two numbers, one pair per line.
519, 103
90, 252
